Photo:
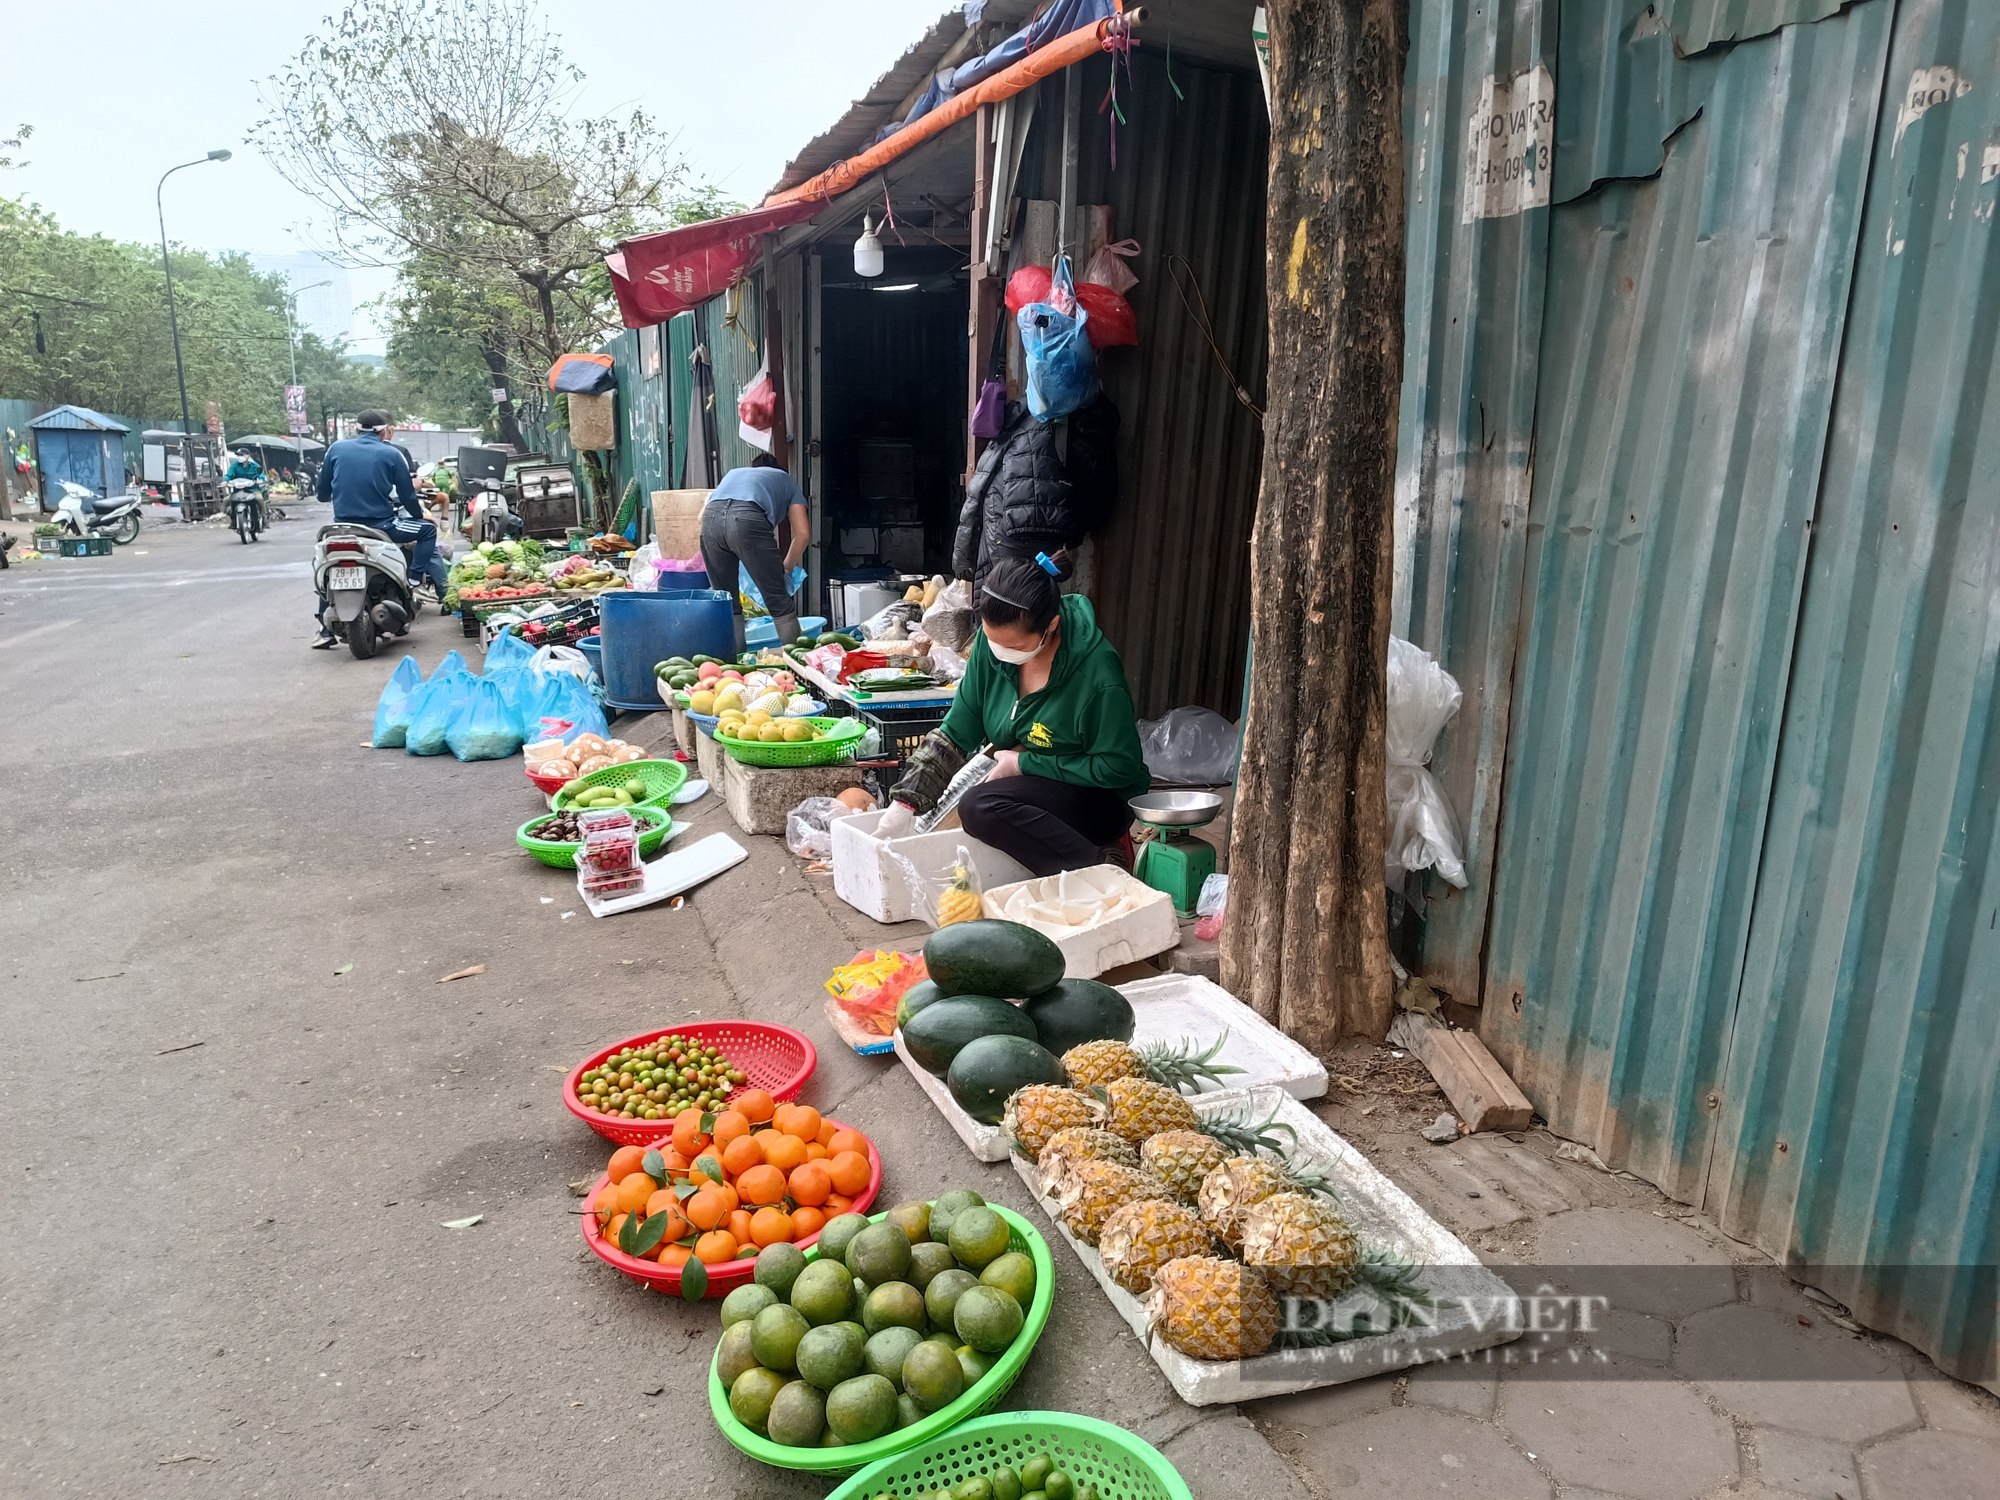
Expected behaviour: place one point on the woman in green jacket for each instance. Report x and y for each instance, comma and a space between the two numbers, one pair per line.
1047, 691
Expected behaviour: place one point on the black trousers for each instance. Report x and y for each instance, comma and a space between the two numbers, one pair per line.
738, 531
1049, 826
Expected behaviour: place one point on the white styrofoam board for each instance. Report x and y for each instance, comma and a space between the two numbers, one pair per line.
673, 873
1379, 1211
1150, 927
869, 880
1171, 1008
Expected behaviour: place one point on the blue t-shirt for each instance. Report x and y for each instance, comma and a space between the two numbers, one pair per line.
773, 489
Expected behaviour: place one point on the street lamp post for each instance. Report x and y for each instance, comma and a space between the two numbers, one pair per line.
292, 347
173, 319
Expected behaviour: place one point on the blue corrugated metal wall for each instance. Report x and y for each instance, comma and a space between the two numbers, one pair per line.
1654, 477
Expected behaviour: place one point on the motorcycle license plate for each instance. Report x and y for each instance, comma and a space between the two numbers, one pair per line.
347, 578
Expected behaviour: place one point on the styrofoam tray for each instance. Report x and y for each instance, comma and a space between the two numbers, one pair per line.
1171, 1008
1471, 1298
870, 881
1148, 927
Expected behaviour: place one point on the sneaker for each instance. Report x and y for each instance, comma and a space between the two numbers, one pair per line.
324, 641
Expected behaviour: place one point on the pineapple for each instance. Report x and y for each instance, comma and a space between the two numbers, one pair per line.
1181, 1159
1210, 1308
1141, 1237
960, 902
1142, 1108
1302, 1245
1034, 1114
1179, 1067
1095, 1189
1068, 1147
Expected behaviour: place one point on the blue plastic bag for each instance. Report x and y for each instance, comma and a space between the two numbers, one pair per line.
432, 711
486, 725
1062, 371
507, 654
452, 662
557, 705
746, 587
392, 709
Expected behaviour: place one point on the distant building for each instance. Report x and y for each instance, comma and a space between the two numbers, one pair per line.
327, 310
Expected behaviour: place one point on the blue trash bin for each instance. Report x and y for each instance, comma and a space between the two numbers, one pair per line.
641, 628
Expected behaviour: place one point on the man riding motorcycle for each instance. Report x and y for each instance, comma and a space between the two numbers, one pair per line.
367, 478
243, 466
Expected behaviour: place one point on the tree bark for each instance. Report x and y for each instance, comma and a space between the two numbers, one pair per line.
1306, 942
496, 364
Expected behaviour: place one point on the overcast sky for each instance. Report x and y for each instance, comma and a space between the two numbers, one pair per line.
742, 86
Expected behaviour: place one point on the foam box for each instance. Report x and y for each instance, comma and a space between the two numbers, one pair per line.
1171, 1008
1151, 927
1470, 1297
867, 879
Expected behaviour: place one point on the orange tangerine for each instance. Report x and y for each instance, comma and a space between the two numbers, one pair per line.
817, 1152
688, 1135
715, 1247
675, 1255
770, 1226
849, 1171
782, 1151
811, 1184
730, 1200
836, 1205
803, 1121
807, 1221
730, 1125
668, 1203
633, 1192
741, 1154
826, 1132
756, 1105
706, 1209
611, 1230
625, 1161
844, 1139
761, 1185
739, 1225
606, 1203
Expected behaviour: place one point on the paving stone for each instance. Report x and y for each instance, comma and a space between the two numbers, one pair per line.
1768, 1370
1951, 1405
1328, 1407
1630, 1335
1652, 1439
1673, 1270
1225, 1455
1527, 1177
1408, 1452
1805, 1465
1932, 1466
1469, 1390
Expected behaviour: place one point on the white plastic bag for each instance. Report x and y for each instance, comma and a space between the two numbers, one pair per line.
561, 659
808, 831
949, 621
643, 571
946, 664
1189, 747
1107, 267
1423, 830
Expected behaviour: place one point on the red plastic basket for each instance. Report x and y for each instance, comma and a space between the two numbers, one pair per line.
724, 1276
548, 785
776, 1058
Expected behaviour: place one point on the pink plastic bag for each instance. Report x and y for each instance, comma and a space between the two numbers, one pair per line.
758, 405
1107, 267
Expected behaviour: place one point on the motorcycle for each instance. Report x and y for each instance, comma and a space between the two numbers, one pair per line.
490, 517
82, 512
246, 508
363, 581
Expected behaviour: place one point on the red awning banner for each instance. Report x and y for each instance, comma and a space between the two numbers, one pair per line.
658, 275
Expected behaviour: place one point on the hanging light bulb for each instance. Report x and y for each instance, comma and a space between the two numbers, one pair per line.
867, 250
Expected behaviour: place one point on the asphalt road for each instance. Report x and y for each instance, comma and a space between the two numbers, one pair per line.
237, 1107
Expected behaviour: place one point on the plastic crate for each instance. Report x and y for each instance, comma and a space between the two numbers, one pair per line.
902, 728
85, 546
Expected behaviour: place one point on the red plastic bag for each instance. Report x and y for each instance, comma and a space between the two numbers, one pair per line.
1112, 320
1028, 285
758, 405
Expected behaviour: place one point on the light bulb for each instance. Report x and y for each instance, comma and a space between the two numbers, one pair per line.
867, 250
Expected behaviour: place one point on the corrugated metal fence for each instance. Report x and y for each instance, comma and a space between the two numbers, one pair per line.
1698, 499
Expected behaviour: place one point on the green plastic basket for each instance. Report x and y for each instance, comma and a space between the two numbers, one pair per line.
662, 777
841, 737
1089, 1451
991, 1387
655, 828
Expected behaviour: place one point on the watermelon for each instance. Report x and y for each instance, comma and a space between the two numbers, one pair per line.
991, 957
935, 1033
1077, 1011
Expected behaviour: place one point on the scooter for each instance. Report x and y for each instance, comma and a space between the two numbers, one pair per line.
363, 581
246, 508
84, 513
492, 518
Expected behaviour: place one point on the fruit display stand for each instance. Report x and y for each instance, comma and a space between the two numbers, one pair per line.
1471, 1299
1022, 1237
1121, 1466
1167, 1009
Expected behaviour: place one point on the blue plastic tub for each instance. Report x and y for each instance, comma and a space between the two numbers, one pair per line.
761, 632
642, 628
682, 582
592, 648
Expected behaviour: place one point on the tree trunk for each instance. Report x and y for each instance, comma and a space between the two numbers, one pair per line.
496, 365
1306, 942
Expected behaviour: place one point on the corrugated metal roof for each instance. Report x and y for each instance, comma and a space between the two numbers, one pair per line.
77, 419
1689, 349
1860, 1124
1699, 24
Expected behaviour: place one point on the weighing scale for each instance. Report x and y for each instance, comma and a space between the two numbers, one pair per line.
1173, 860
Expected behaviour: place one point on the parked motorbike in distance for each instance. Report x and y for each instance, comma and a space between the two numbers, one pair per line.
492, 518
363, 582
246, 508
83, 512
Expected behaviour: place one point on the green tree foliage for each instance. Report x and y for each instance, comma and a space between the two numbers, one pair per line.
105, 340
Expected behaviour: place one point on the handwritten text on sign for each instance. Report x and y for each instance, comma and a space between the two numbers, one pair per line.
1509, 140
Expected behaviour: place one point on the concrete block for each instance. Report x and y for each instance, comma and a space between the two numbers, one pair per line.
1192, 956
1765, 1368
1805, 1465
1934, 1464
684, 732
709, 759
759, 797
1648, 1438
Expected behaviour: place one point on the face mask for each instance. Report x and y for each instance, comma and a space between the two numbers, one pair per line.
1015, 658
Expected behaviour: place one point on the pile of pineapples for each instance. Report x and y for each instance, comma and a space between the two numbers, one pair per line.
1208, 1219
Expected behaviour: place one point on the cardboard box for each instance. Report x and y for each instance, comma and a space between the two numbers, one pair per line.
677, 521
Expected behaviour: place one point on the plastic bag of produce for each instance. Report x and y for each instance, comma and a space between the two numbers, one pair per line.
560, 659
1062, 374
946, 664
555, 705
808, 827
392, 710
508, 653
433, 709
892, 622
1189, 747
487, 725
1423, 830
950, 621
867, 990
452, 662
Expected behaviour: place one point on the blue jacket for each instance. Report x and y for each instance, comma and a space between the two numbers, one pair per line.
364, 478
